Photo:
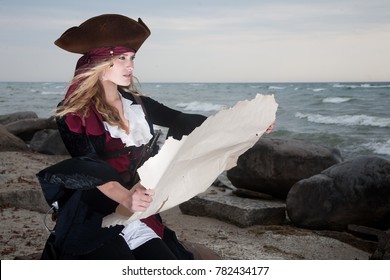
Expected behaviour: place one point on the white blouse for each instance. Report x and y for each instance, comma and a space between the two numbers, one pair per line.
139, 128
136, 233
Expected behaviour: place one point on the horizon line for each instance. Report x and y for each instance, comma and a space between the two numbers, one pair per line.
219, 82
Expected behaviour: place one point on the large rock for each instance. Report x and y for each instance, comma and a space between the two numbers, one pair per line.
9, 118
9, 142
48, 141
26, 128
356, 192
242, 212
272, 166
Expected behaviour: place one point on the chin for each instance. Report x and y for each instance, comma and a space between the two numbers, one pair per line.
125, 84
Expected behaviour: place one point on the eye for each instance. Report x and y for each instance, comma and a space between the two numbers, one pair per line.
132, 58
121, 57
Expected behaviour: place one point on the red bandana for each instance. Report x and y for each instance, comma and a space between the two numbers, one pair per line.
100, 54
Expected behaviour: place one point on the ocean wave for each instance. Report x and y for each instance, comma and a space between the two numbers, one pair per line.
336, 99
257, 86
379, 148
276, 87
366, 85
200, 106
317, 89
347, 120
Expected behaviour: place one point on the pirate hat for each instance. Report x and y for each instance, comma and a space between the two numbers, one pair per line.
104, 31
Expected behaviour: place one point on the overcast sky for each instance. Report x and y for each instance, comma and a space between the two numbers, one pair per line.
211, 41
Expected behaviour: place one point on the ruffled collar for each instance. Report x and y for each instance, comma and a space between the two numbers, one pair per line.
139, 128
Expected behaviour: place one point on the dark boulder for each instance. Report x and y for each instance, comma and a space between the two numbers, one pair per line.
48, 141
272, 166
9, 142
9, 118
356, 192
26, 128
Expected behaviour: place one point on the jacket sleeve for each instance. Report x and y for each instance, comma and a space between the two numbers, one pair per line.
179, 123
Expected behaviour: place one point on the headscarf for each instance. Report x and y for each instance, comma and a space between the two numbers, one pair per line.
99, 54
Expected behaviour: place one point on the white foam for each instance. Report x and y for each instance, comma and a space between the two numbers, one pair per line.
276, 88
348, 120
366, 85
318, 89
379, 148
336, 100
200, 106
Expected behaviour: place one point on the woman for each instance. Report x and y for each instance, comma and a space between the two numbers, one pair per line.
106, 126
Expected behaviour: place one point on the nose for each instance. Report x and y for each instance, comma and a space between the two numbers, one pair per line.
130, 65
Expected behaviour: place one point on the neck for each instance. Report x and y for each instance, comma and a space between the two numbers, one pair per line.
111, 92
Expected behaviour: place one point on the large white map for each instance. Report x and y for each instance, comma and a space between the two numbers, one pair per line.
182, 169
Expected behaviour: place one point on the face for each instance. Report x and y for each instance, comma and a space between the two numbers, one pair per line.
121, 71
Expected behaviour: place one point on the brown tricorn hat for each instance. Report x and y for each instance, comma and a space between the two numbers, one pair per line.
104, 31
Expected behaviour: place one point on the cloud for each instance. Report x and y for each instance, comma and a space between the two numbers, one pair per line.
212, 40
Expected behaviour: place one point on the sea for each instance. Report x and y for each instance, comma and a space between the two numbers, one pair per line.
352, 117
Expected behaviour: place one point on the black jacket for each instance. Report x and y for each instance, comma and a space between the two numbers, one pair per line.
82, 205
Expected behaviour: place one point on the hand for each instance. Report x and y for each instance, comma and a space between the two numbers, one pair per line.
139, 198
270, 128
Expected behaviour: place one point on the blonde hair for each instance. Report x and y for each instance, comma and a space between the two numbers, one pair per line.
89, 91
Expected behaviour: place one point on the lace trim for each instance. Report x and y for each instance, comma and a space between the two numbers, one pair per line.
139, 128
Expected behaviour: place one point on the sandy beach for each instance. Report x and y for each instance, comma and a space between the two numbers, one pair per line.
22, 231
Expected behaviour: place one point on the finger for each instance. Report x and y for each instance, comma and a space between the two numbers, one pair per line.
139, 191
149, 192
146, 198
142, 206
